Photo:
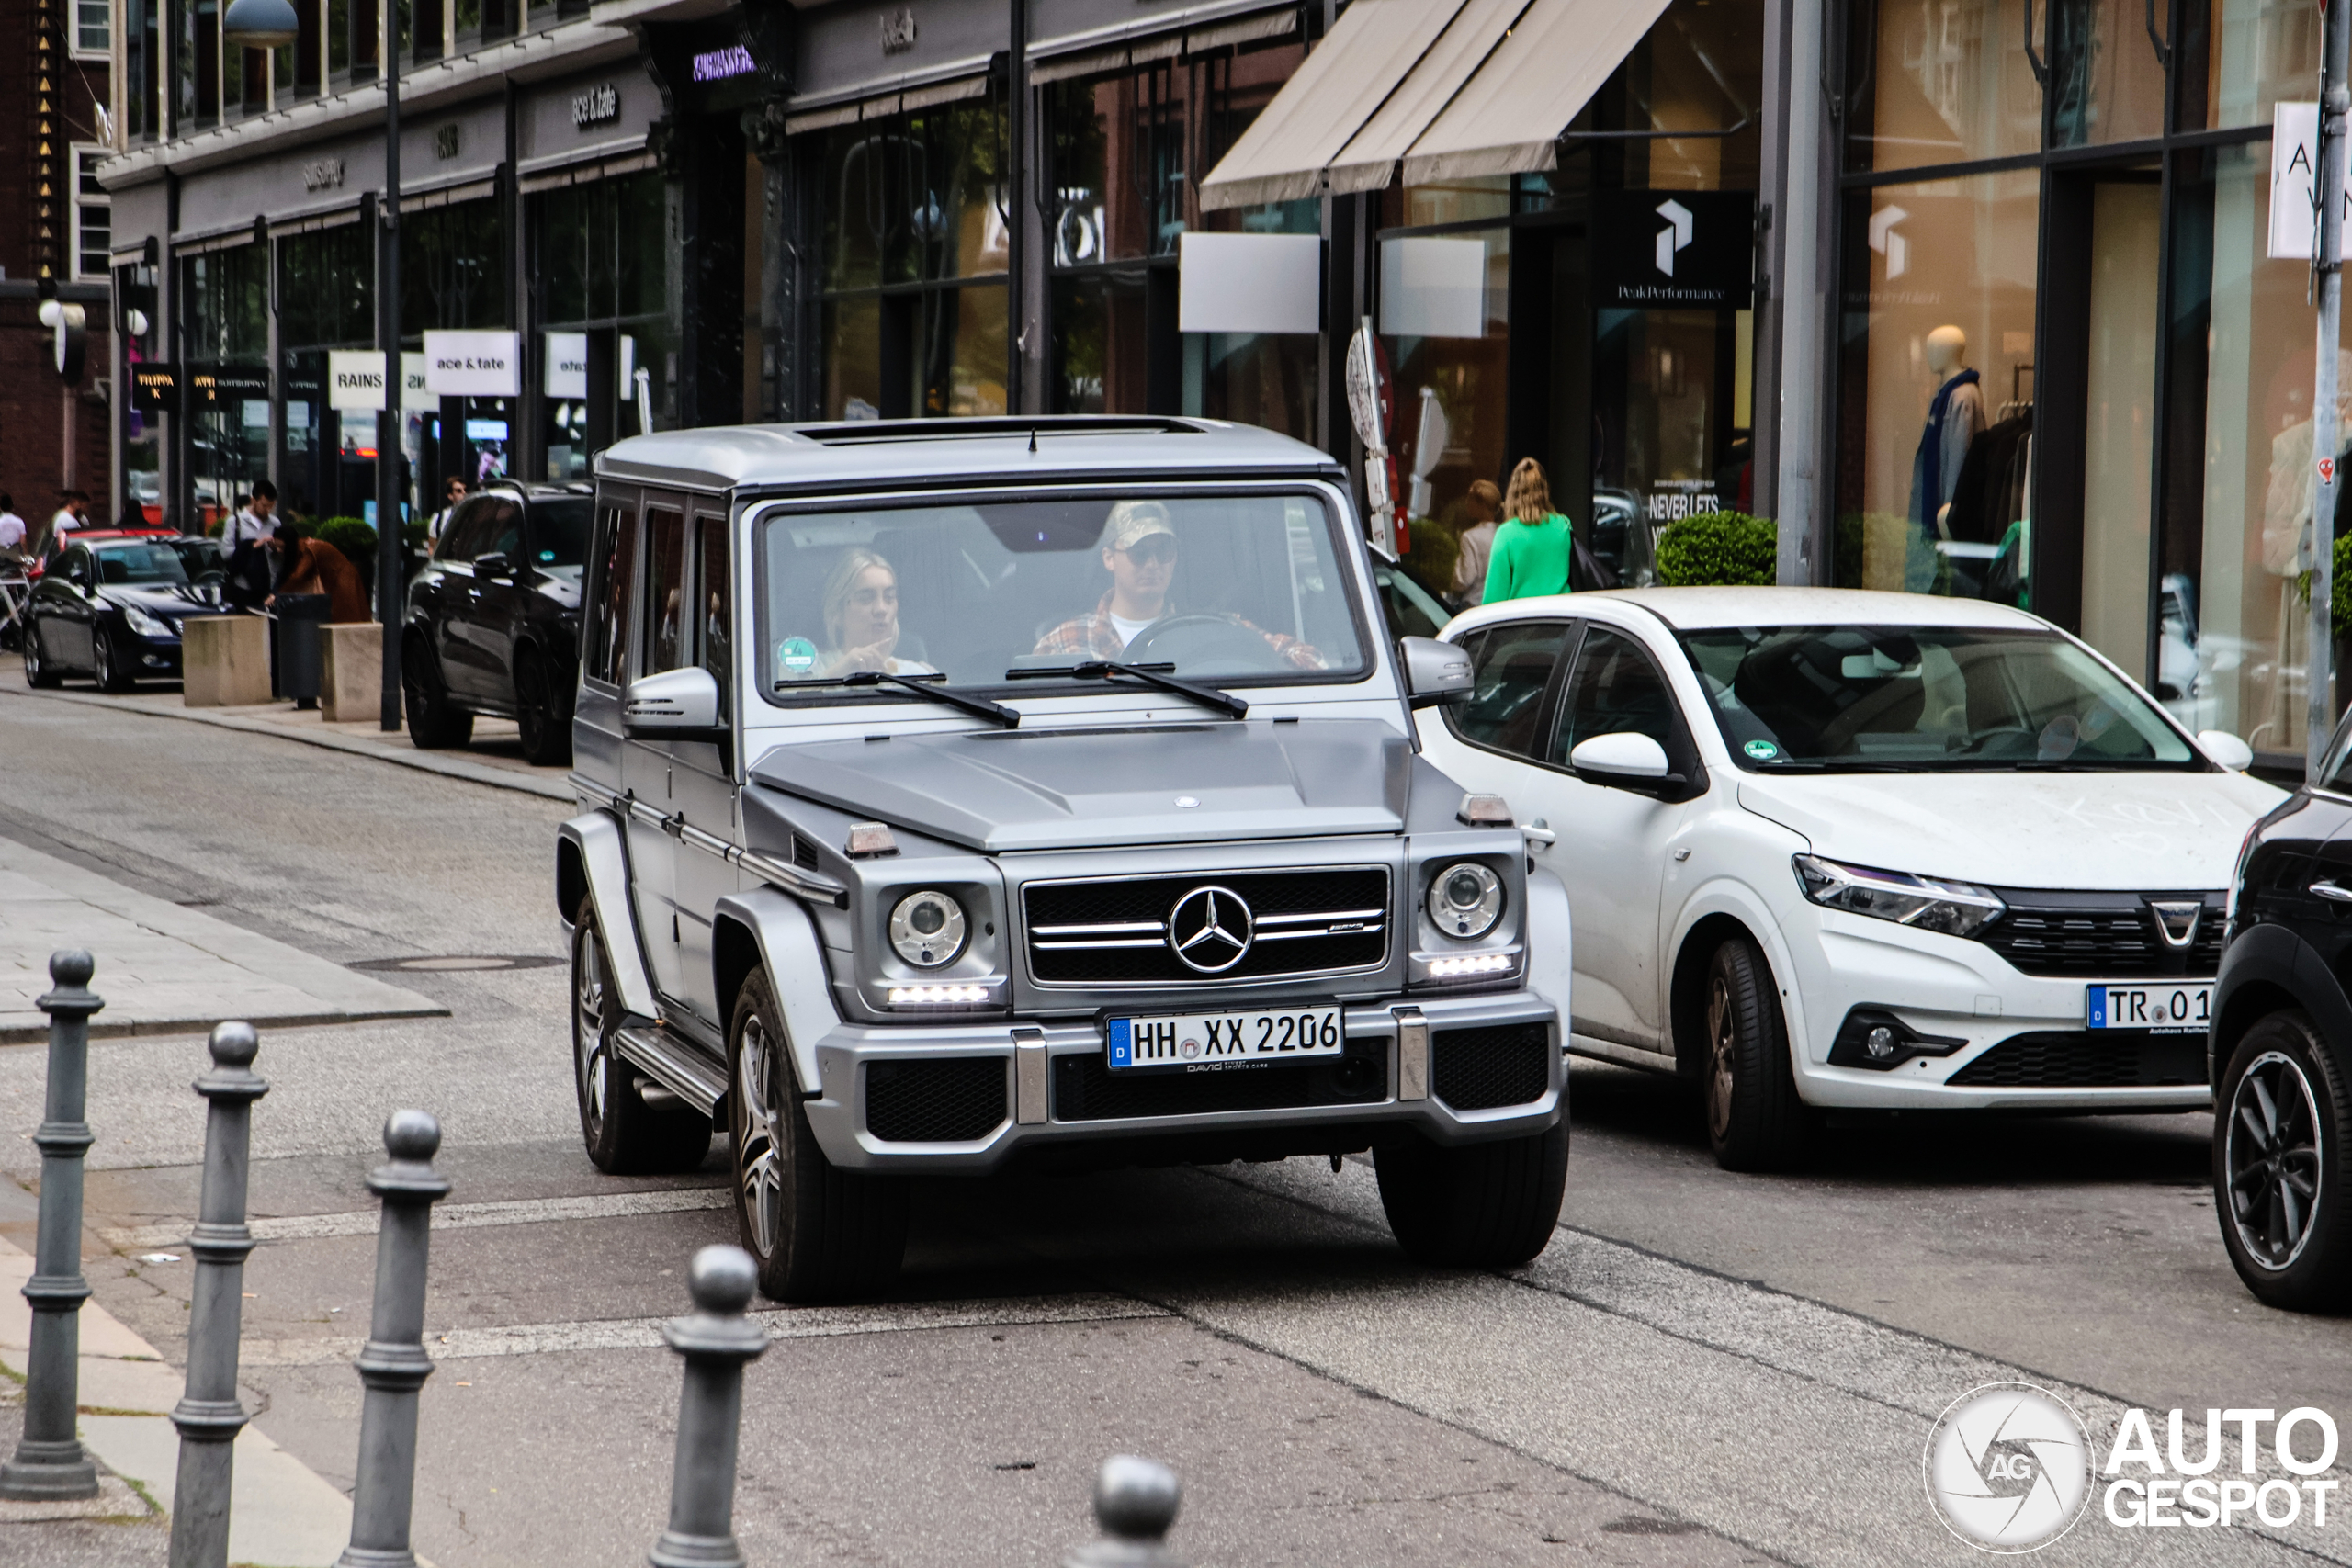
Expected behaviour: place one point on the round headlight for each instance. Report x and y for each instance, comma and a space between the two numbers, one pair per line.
927, 928
1465, 900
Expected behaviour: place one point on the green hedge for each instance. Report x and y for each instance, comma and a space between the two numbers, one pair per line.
351, 536
1727, 550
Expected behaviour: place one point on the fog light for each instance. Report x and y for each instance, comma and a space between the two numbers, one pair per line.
1880, 1041
937, 996
1471, 964
1875, 1037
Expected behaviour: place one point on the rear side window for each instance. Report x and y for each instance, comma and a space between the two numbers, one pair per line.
665, 617
1510, 666
608, 630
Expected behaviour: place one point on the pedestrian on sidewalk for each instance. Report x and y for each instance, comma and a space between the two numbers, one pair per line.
1533, 547
70, 515
453, 494
1477, 543
245, 542
308, 565
12, 534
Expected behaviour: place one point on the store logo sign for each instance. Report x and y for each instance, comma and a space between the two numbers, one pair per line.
1887, 242
1675, 238
720, 65
899, 31
322, 174
595, 106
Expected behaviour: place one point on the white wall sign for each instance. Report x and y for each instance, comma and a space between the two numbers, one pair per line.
1433, 287
567, 365
1250, 283
355, 380
472, 365
415, 393
2295, 165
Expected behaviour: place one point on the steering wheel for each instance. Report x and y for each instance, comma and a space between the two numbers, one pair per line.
1201, 645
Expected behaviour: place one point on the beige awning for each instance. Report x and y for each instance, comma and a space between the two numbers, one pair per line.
1508, 118
1369, 156
1343, 84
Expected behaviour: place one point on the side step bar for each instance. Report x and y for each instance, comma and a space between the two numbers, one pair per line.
677, 1066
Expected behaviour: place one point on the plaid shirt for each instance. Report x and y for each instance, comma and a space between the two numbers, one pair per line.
1093, 636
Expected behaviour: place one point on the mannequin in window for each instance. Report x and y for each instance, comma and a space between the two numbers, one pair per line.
1954, 420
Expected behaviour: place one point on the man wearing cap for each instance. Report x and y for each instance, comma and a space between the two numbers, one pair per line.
1139, 551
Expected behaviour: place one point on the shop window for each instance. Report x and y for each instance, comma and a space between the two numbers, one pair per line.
1936, 369
93, 216
453, 267
1444, 319
1262, 378
2256, 53
1940, 81
2107, 83
326, 295
224, 304
915, 198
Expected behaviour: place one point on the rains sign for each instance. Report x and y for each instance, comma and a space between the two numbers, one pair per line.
472, 365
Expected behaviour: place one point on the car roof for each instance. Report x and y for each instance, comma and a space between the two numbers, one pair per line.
533, 489
1697, 609
921, 451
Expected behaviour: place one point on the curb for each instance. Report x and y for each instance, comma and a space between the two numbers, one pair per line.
422, 761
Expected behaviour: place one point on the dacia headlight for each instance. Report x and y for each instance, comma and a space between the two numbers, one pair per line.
927, 928
146, 624
1928, 903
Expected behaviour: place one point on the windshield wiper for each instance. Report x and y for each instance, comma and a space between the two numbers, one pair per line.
978, 707
1149, 675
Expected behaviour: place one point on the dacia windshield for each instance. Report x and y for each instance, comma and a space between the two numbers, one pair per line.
1236, 589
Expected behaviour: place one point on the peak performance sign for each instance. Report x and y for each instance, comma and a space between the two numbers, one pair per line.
1664, 250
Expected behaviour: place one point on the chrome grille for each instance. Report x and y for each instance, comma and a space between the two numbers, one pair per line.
1116, 932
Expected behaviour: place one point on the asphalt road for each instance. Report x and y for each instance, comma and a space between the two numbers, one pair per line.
1702, 1369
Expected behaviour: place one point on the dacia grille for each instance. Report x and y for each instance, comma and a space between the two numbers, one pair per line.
1118, 931
2101, 936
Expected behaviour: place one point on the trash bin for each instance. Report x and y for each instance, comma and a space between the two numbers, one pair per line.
300, 616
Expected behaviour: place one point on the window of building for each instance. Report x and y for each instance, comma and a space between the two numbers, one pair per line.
93, 216
600, 268
93, 28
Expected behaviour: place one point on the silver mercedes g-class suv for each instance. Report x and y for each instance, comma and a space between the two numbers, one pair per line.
959, 795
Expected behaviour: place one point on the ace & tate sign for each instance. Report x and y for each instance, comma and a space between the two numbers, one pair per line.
1668, 249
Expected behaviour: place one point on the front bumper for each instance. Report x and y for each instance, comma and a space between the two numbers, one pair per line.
1048, 1068
1958, 991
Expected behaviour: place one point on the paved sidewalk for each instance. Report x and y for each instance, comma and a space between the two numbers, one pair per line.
281, 1513
162, 969
493, 759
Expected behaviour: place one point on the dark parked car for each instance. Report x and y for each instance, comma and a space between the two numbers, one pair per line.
493, 620
2280, 1051
113, 607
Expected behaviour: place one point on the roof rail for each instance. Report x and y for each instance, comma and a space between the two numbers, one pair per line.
854, 431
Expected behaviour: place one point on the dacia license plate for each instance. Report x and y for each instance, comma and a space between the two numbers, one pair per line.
2185, 1007
1194, 1042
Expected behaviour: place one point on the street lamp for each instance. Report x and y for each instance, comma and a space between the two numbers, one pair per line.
271, 24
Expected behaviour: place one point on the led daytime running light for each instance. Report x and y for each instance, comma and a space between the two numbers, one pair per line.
1925, 903
937, 996
1471, 964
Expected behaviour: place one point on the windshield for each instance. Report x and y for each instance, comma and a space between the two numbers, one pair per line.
199, 557
560, 534
144, 563
1924, 699
1229, 589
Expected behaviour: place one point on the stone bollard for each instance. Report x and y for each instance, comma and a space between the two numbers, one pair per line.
1135, 1502
717, 1340
50, 1462
393, 1365
208, 1415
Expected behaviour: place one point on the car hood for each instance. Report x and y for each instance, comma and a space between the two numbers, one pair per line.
2093, 831
177, 601
1023, 789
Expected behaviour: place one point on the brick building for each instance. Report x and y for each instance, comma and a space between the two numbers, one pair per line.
55, 82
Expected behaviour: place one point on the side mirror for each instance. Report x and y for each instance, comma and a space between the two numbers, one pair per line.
1435, 672
2226, 750
1624, 761
493, 566
677, 705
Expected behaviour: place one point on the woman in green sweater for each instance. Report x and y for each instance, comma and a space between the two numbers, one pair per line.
1533, 547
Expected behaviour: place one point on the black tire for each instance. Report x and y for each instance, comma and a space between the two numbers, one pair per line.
1479, 1206
818, 1233
40, 673
1755, 1119
542, 714
2281, 1123
434, 722
105, 662
625, 1137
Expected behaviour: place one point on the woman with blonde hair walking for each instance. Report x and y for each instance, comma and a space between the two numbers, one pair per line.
1533, 547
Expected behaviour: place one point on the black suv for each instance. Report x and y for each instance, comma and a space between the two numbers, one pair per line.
494, 619
2280, 1049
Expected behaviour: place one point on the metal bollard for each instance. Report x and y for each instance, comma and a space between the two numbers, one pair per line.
1135, 1502
208, 1415
393, 1365
717, 1340
50, 1461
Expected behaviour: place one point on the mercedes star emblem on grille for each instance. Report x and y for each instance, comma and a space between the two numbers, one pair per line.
1209, 930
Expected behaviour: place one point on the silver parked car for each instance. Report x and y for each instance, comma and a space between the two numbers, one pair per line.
960, 795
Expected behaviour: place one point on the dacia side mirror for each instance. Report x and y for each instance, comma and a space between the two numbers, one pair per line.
1435, 672
677, 705
1624, 761
2225, 749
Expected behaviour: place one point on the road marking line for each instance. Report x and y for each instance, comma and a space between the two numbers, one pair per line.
447, 1217
781, 1323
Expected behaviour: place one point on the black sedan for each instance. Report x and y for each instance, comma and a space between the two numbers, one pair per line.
494, 619
112, 609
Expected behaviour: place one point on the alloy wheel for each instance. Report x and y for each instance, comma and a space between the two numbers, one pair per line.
759, 1161
2271, 1152
530, 705
102, 660
32, 657
588, 1021
1722, 1043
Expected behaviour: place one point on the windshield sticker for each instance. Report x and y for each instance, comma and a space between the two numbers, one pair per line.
797, 655
1762, 750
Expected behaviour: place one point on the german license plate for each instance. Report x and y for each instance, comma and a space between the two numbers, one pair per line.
2187, 1006
1192, 1042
